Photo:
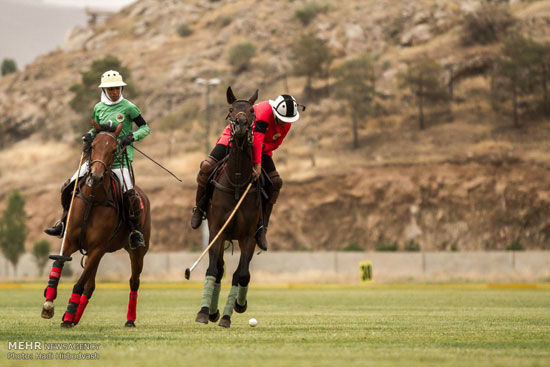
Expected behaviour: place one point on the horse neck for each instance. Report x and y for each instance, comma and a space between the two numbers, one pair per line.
101, 191
239, 161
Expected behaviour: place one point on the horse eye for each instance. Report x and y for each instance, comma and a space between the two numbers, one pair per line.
231, 110
251, 110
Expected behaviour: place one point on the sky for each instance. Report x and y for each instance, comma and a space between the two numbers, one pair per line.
29, 28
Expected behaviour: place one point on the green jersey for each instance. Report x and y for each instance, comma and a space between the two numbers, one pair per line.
123, 113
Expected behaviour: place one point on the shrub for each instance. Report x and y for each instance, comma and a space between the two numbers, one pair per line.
184, 30
309, 11
515, 245
412, 246
240, 56
353, 247
12, 229
41, 251
8, 66
487, 24
394, 246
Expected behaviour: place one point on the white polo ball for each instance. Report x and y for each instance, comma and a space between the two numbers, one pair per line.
252, 322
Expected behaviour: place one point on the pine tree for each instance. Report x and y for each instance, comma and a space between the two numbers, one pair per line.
12, 229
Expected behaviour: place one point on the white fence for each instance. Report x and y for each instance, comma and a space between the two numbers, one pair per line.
321, 267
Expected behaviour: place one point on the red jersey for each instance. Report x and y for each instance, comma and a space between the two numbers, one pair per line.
268, 135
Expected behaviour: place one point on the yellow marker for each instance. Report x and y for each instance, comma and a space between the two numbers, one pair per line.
365, 269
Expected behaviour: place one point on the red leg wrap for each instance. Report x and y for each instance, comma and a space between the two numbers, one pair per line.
50, 294
75, 298
54, 279
132, 304
55, 273
68, 317
81, 307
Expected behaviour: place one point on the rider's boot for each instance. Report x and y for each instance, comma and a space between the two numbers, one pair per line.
133, 205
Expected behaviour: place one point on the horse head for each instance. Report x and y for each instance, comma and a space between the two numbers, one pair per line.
104, 148
241, 116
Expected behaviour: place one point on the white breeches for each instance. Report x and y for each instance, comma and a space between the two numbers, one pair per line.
123, 175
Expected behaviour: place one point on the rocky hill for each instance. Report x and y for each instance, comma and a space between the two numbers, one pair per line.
466, 182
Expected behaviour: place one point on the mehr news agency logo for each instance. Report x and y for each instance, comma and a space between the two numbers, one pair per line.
28, 350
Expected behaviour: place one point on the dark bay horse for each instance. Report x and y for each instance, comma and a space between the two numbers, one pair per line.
104, 231
230, 183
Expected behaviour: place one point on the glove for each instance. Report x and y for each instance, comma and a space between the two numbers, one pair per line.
257, 171
126, 140
87, 139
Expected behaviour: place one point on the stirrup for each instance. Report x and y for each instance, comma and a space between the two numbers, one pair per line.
140, 242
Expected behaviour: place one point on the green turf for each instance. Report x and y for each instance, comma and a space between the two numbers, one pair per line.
299, 327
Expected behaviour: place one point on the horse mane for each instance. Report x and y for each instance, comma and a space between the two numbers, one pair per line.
106, 128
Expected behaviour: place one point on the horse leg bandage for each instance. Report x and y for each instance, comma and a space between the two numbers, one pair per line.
132, 305
72, 307
51, 290
228, 310
241, 295
208, 292
215, 298
81, 307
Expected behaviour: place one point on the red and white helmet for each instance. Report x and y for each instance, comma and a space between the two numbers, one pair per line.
285, 108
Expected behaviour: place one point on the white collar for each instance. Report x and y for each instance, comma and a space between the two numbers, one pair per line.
105, 98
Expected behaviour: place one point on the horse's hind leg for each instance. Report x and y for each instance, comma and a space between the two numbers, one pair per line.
239, 285
212, 286
89, 270
136, 258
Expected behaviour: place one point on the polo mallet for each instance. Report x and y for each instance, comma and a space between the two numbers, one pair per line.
60, 257
189, 270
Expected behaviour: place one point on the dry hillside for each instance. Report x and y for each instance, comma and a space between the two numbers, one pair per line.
469, 181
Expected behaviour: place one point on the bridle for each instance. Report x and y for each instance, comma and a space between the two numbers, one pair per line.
249, 138
98, 160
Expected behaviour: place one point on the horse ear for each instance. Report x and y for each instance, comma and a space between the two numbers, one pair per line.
96, 125
118, 130
230, 96
254, 97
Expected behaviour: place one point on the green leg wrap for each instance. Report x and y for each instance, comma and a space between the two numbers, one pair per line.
208, 291
228, 310
215, 297
241, 297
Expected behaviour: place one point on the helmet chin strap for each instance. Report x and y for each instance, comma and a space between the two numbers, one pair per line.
105, 97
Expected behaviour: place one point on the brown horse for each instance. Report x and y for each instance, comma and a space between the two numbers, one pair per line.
230, 184
103, 231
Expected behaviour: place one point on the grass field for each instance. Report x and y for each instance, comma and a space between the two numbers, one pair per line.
382, 326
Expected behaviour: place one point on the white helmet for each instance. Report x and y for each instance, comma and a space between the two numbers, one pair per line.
110, 79
285, 108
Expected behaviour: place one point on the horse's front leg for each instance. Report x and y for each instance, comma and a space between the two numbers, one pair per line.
239, 285
212, 285
50, 293
90, 270
136, 258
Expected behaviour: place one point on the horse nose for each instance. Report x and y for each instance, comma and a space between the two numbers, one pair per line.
241, 120
95, 179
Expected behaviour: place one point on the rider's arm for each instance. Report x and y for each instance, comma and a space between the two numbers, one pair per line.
143, 129
260, 128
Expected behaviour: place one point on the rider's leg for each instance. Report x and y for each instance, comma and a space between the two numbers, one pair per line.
133, 205
274, 187
203, 194
66, 194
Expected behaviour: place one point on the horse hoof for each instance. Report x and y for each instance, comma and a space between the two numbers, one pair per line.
238, 308
130, 323
215, 316
47, 310
66, 324
225, 322
202, 318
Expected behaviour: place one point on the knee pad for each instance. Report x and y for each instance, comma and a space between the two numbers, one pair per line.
206, 168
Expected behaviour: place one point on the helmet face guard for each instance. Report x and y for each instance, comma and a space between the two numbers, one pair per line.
111, 79
285, 108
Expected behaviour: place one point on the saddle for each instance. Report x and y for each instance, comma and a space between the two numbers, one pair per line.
114, 196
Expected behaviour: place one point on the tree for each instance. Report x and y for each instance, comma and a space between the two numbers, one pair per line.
542, 70
12, 229
41, 251
86, 93
355, 84
512, 77
240, 56
8, 66
310, 58
423, 79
